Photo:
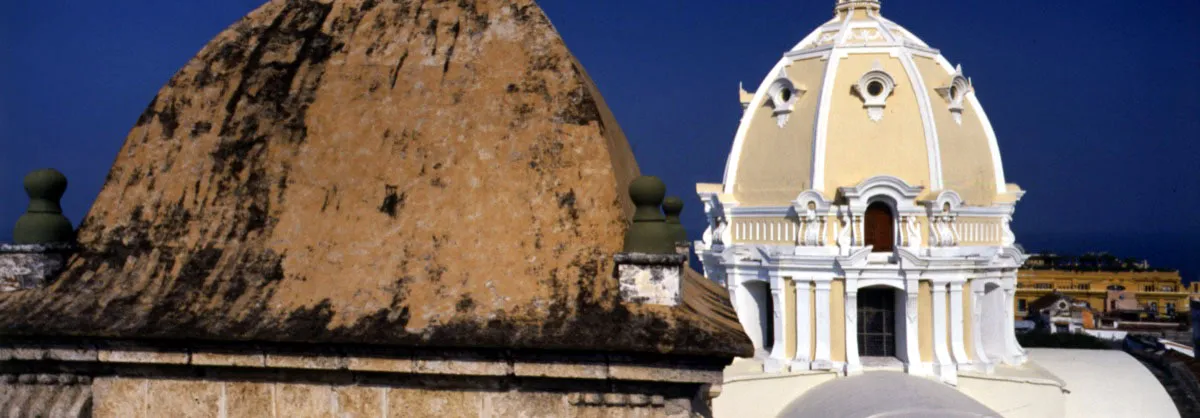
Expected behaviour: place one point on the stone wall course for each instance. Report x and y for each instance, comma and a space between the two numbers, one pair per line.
182, 398
249, 399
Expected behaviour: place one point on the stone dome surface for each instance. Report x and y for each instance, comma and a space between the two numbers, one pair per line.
861, 96
359, 171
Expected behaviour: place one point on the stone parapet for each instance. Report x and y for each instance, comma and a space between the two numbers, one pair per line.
602, 367
28, 266
650, 278
128, 378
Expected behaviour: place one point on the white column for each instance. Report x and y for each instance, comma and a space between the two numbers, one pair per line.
777, 360
957, 338
1014, 354
821, 358
853, 364
943, 366
982, 362
912, 330
803, 358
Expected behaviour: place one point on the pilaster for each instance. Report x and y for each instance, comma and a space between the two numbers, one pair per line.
1014, 354
982, 362
943, 366
853, 364
957, 337
777, 359
803, 359
912, 330
822, 360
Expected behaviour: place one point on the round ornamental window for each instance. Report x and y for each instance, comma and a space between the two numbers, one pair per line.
785, 94
874, 88
953, 92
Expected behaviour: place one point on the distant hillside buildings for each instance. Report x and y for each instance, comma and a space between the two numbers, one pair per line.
1123, 288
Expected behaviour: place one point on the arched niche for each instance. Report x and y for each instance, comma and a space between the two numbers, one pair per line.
755, 313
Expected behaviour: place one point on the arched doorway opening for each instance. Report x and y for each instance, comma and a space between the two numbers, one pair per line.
879, 322
755, 312
879, 229
992, 317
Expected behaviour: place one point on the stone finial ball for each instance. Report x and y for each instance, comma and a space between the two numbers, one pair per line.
47, 184
647, 191
672, 205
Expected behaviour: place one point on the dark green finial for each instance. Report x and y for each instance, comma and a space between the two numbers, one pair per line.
43, 222
672, 207
649, 232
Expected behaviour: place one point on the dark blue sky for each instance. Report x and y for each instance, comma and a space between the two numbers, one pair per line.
1096, 104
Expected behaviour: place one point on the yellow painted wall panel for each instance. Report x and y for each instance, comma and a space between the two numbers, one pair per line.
925, 318
858, 148
837, 317
776, 163
966, 154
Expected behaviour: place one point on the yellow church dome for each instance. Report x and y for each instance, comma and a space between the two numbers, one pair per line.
861, 97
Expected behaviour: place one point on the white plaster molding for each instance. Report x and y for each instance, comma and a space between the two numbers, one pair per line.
1007, 237
810, 196
903, 196
928, 124
897, 283
912, 229
845, 233
714, 235
944, 198
821, 125
954, 92
874, 87
855, 259
782, 95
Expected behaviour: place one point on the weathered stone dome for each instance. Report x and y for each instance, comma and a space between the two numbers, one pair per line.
357, 171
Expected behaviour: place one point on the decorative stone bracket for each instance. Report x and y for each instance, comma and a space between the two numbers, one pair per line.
650, 278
